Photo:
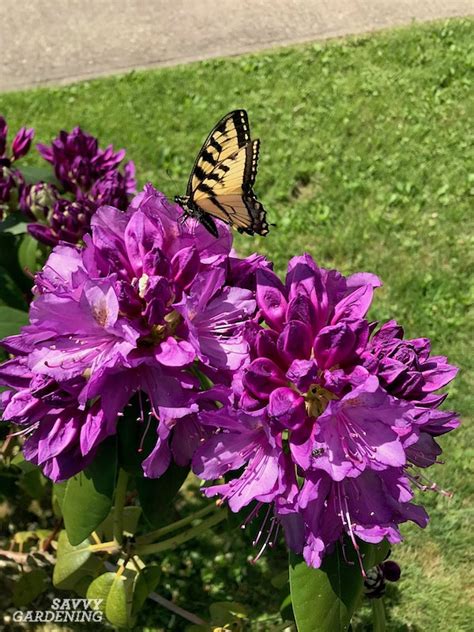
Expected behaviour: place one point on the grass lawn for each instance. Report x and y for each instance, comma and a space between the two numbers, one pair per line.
366, 163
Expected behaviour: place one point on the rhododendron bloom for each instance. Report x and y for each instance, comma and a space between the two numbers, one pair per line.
138, 309
327, 421
88, 176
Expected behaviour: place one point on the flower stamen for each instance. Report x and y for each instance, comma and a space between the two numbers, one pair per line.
316, 400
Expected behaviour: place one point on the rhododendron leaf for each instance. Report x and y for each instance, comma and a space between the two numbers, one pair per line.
10, 293
14, 224
11, 320
88, 495
378, 615
33, 175
100, 589
375, 553
130, 516
286, 609
156, 494
116, 592
227, 612
73, 563
118, 608
33, 483
29, 254
145, 583
325, 598
59, 490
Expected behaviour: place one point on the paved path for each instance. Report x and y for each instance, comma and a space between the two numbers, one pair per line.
58, 41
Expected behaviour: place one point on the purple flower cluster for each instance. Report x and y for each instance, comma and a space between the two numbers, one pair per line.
313, 416
328, 419
144, 307
89, 176
11, 179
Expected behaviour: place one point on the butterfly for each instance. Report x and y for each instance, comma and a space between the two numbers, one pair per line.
220, 184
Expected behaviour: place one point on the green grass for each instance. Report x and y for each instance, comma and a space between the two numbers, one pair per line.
366, 162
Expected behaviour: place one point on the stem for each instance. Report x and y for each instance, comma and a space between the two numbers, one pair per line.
189, 616
378, 615
172, 543
154, 535
105, 547
120, 493
204, 382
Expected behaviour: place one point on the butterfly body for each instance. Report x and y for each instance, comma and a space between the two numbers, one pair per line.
190, 210
220, 184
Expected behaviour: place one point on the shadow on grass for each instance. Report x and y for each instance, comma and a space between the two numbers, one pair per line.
393, 597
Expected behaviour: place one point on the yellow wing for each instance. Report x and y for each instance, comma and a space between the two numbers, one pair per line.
231, 133
224, 173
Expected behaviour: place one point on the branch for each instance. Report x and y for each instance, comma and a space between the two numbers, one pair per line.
172, 543
120, 494
154, 535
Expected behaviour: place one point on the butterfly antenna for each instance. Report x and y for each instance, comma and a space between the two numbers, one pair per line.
172, 180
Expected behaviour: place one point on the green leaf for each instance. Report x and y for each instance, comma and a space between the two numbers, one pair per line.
88, 496
131, 516
118, 609
374, 553
145, 583
33, 175
73, 563
34, 483
59, 490
378, 615
29, 586
325, 599
30, 254
116, 591
156, 494
9, 260
11, 320
100, 588
15, 224
225, 612
286, 609
10, 293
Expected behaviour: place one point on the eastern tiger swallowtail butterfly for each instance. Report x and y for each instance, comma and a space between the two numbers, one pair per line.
220, 184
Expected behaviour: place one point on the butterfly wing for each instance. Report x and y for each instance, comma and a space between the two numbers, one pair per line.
229, 135
227, 192
224, 173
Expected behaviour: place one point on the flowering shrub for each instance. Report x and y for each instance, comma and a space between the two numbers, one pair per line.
153, 348
86, 177
141, 308
327, 421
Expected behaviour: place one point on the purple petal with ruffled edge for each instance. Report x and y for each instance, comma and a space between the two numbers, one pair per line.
271, 298
355, 433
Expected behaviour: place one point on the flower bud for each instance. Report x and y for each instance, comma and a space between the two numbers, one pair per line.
22, 142
40, 199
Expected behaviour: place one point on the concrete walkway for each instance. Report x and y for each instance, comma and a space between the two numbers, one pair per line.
59, 41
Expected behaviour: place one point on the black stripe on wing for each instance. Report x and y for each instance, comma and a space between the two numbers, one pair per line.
217, 139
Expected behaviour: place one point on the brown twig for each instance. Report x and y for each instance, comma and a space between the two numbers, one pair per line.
53, 534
